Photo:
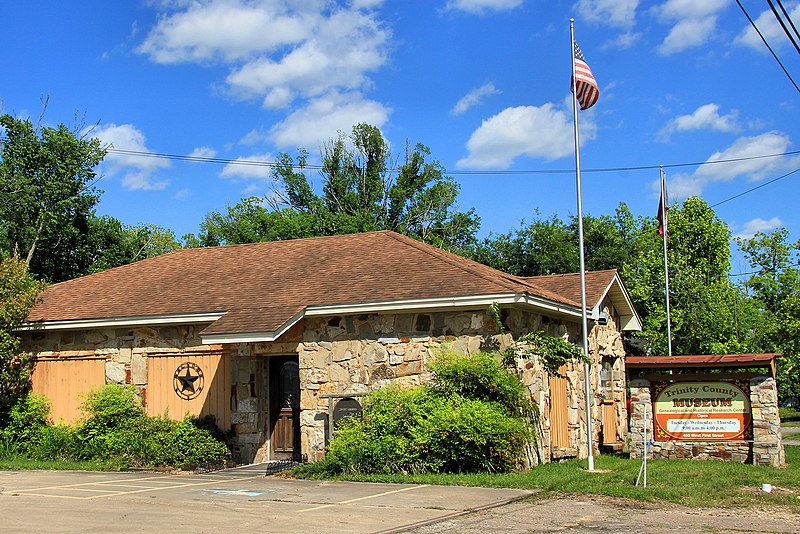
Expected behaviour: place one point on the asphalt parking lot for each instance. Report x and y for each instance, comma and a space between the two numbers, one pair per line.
242, 500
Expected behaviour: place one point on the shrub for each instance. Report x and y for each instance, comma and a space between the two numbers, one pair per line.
189, 447
109, 408
27, 418
468, 420
480, 377
59, 443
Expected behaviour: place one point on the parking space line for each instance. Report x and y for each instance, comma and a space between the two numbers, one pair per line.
107, 487
349, 501
177, 486
50, 495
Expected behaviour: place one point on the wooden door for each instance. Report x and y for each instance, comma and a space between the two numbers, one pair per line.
285, 407
559, 413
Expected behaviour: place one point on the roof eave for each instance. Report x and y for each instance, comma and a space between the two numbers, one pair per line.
406, 306
120, 322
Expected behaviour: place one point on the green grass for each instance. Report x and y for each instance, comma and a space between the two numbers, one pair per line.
687, 482
789, 414
87, 465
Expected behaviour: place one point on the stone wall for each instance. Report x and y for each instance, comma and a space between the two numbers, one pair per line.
354, 354
766, 447
357, 354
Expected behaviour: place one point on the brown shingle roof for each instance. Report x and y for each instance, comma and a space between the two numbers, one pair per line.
263, 285
569, 285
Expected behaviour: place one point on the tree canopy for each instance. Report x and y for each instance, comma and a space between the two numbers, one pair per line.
363, 188
47, 192
775, 290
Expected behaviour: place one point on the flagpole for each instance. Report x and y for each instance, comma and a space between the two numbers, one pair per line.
664, 203
584, 323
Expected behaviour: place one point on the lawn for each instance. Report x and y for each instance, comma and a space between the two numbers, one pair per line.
686, 482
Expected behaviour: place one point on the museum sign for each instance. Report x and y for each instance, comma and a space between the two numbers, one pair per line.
702, 411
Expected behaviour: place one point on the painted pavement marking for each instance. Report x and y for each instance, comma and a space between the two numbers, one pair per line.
349, 501
106, 487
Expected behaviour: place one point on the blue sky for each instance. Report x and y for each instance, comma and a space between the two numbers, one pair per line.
483, 83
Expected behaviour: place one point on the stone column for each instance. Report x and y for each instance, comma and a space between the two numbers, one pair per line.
641, 409
767, 441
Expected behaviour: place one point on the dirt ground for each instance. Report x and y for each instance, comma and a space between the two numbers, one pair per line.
603, 514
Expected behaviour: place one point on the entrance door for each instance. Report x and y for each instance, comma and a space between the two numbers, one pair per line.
285, 407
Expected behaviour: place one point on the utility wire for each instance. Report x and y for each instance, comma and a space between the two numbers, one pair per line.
783, 24
754, 188
753, 24
786, 14
272, 164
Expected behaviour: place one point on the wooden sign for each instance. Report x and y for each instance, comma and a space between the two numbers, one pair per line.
701, 411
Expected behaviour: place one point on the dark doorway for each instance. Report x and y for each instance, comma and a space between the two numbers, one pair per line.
284, 373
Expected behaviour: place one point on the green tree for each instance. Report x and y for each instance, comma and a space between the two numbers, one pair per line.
111, 243
703, 301
18, 292
46, 193
550, 246
775, 287
361, 190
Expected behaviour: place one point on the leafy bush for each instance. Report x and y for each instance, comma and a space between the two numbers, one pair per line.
26, 420
480, 377
59, 443
108, 409
159, 441
468, 420
116, 428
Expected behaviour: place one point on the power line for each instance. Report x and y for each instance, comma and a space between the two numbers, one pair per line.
754, 188
786, 14
783, 24
273, 164
753, 24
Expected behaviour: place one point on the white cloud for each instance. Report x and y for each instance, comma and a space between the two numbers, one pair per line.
752, 169
694, 23
226, 30
705, 117
684, 185
620, 13
482, 6
769, 28
137, 171
624, 40
183, 194
537, 132
324, 117
249, 167
474, 98
203, 152
758, 224
278, 50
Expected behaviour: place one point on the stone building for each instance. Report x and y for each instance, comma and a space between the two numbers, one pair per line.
264, 336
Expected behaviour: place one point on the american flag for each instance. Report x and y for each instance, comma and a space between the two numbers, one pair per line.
586, 90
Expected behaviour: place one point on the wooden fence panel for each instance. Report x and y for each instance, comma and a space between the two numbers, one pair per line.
65, 382
559, 413
213, 399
